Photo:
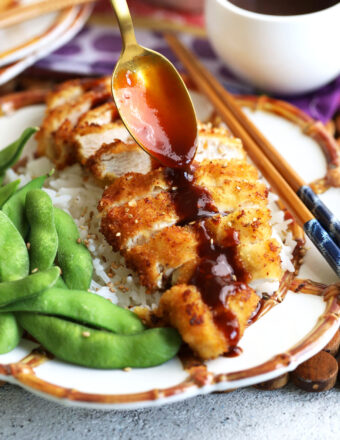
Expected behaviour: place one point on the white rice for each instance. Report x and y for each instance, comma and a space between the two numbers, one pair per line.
78, 193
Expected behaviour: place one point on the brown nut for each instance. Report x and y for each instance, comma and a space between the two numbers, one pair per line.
319, 373
274, 384
333, 345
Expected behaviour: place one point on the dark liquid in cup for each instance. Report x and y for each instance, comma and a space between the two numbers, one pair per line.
284, 7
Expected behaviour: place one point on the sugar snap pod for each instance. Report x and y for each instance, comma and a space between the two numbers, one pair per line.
83, 307
72, 256
85, 346
43, 236
14, 208
12, 291
11, 154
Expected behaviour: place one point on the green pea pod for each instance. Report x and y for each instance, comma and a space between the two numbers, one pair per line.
14, 262
12, 291
14, 208
83, 307
10, 333
10, 155
7, 190
43, 236
72, 256
84, 346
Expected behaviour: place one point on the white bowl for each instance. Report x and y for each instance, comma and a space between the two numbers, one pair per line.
281, 54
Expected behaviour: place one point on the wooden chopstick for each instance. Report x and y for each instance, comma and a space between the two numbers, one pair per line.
20, 14
215, 92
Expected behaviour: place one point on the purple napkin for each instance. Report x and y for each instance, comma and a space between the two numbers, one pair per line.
95, 50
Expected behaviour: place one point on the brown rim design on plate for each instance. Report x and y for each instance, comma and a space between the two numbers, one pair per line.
199, 379
310, 127
60, 18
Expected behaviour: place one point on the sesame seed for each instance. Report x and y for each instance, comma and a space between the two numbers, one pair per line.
118, 234
28, 245
127, 369
86, 334
136, 221
35, 270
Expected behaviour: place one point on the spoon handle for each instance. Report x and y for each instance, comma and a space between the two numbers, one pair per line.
124, 19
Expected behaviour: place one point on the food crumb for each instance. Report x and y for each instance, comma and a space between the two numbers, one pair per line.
35, 270
127, 369
86, 334
28, 245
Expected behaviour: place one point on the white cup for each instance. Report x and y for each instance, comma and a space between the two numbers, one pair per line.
280, 54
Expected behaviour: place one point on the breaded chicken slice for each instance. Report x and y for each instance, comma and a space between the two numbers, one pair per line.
259, 252
218, 143
55, 138
132, 187
117, 159
148, 201
127, 225
166, 250
182, 307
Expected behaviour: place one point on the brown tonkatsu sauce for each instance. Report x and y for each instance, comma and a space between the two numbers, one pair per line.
155, 107
220, 271
158, 112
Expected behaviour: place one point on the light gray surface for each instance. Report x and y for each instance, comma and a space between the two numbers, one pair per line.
286, 414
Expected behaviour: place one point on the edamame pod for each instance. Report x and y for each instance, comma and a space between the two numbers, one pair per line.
98, 348
10, 154
14, 208
84, 307
12, 291
10, 333
43, 236
60, 284
73, 257
14, 265
7, 190
14, 262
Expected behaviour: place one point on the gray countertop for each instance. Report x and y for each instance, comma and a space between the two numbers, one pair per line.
285, 414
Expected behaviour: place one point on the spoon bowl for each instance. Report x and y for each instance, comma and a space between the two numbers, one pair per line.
152, 99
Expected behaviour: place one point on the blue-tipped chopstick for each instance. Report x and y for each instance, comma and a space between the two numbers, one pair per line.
300, 200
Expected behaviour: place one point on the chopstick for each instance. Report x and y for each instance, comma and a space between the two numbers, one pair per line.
20, 14
253, 140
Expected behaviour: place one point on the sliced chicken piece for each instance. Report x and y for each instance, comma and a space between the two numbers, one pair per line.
71, 90
133, 223
182, 307
157, 258
215, 172
116, 159
90, 138
259, 252
234, 195
133, 187
217, 143
55, 138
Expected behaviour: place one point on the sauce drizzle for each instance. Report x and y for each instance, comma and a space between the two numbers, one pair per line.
220, 272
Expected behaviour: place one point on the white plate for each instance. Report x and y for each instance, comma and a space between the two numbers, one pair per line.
22, 39
290, 333
78, 18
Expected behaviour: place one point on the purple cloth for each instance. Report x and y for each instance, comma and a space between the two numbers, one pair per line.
95, 50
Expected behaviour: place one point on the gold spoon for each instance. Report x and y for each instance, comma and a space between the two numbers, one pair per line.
152, 99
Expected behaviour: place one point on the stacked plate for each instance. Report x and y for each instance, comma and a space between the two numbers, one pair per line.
23, 44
